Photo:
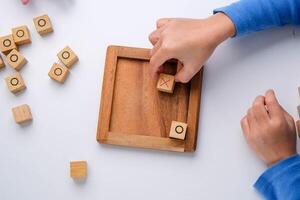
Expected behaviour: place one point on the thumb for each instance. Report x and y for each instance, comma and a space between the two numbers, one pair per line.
186, 73
272, 104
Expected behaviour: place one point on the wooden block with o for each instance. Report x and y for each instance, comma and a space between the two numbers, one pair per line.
22, 114
178, 130
21, 35
78, 169
67, 57
58, 73
7, 44
2, 64
15, 83
43, 24
16, 60
166, 83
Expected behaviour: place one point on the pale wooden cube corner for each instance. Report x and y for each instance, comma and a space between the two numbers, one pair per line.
22, 114
15, 83
58, 73
67, 56
78, 169
166, 83
178, 130
43, 24
16, 60
21, 35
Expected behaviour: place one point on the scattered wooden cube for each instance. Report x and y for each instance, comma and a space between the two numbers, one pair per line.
178, 130
21, 35
22, 114
43, 24
16, 60
67, 57
15, 83
166, 83
58, 73
2, 64
298, 127
7, 44
78, 169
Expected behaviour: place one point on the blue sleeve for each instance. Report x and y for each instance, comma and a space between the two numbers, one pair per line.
281, 181
254, 15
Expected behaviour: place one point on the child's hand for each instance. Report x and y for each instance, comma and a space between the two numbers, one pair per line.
25, 2
269, 129
191, 41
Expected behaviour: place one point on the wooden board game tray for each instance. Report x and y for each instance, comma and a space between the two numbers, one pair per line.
134, 113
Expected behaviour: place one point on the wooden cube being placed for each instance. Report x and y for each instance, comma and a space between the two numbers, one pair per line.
7, 44
78, 169
166, 83
2, 64
21, 35
67, 57
178, 130
58, 73
43, 24
22, 114
16, 60
15, 83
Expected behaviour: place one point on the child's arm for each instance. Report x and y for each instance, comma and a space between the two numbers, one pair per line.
255, 15
270, 132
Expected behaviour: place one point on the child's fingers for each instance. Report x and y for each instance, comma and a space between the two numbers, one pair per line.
155, 48
272, 104
245, 125
155, 36
259, 109
185, 74
161, 22
158, 59
25, 2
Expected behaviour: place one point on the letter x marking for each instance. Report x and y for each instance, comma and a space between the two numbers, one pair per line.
164, 82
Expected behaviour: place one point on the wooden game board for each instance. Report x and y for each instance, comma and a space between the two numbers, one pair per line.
134, 113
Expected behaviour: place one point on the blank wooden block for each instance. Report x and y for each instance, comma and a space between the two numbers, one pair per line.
178, 130
16, 60
7, 44
15, 83
67, 57
298, 127
21, 35
2, 64
43, 24
22, 114
166, 83
58, 73
78, 169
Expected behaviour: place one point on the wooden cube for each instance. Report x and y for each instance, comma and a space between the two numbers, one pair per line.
15, 83
67, 57
7, 44
58, 73
2, 64
16, 60
78, 169
43, 24
166, 83
178, 130
22, 114
21, 35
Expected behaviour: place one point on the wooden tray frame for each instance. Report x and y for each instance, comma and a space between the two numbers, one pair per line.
104, 135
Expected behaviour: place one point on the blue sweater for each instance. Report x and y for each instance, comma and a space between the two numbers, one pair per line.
254, 15
281, 181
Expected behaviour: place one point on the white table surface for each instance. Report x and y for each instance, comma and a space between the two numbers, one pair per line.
35, 159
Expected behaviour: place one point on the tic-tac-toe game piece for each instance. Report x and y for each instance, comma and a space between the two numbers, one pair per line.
78, 169
166, 83
7, 44
2, 64
178, 130
16, 60
58, 73
43, 24
67, 57
21, 35
22, 114
15, 83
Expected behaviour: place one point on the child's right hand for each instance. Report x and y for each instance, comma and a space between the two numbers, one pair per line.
269, 129
191, 41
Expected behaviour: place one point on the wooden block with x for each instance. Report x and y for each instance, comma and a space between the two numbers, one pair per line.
166, 83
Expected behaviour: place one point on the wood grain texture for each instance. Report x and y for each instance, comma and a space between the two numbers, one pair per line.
133, 112
22, 114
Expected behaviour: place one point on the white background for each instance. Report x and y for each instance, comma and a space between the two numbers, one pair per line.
34, 159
